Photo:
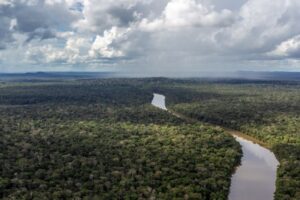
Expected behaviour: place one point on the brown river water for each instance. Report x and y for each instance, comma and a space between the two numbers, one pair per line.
255, 178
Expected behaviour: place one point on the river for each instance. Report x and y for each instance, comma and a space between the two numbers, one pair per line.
159, 101
255, 178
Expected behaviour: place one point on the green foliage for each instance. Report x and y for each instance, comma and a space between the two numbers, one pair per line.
100, 139
269, 111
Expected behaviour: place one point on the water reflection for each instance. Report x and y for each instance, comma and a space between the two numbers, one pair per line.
159, 101
255, 178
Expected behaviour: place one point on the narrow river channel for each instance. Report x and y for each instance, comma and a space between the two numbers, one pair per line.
255, 178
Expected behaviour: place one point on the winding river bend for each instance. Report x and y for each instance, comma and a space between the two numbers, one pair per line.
255, 178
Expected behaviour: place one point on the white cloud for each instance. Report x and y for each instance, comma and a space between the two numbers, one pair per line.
168, 34
75, 51
261, 26
103, 46
45, 54
181, 13
289, 49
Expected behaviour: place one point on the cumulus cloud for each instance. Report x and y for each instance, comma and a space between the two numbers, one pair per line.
106, 46
140, 34
261, 26
181, 13
45, 54
100, 15
289, 49
74, 51
36, 19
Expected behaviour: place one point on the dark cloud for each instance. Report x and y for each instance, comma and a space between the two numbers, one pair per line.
5, 32
38, 20
42, 15
124, 16
41, 33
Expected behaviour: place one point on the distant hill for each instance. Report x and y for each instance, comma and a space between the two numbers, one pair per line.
241, 75
268, 75
53, 75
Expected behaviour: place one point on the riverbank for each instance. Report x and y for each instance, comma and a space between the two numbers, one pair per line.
255, 178
228, 130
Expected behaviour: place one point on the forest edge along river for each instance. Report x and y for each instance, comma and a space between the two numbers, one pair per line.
255, 178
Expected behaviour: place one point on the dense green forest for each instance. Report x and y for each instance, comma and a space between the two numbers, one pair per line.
267, 110
101, 139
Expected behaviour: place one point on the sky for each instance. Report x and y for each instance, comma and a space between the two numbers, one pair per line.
150, 36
